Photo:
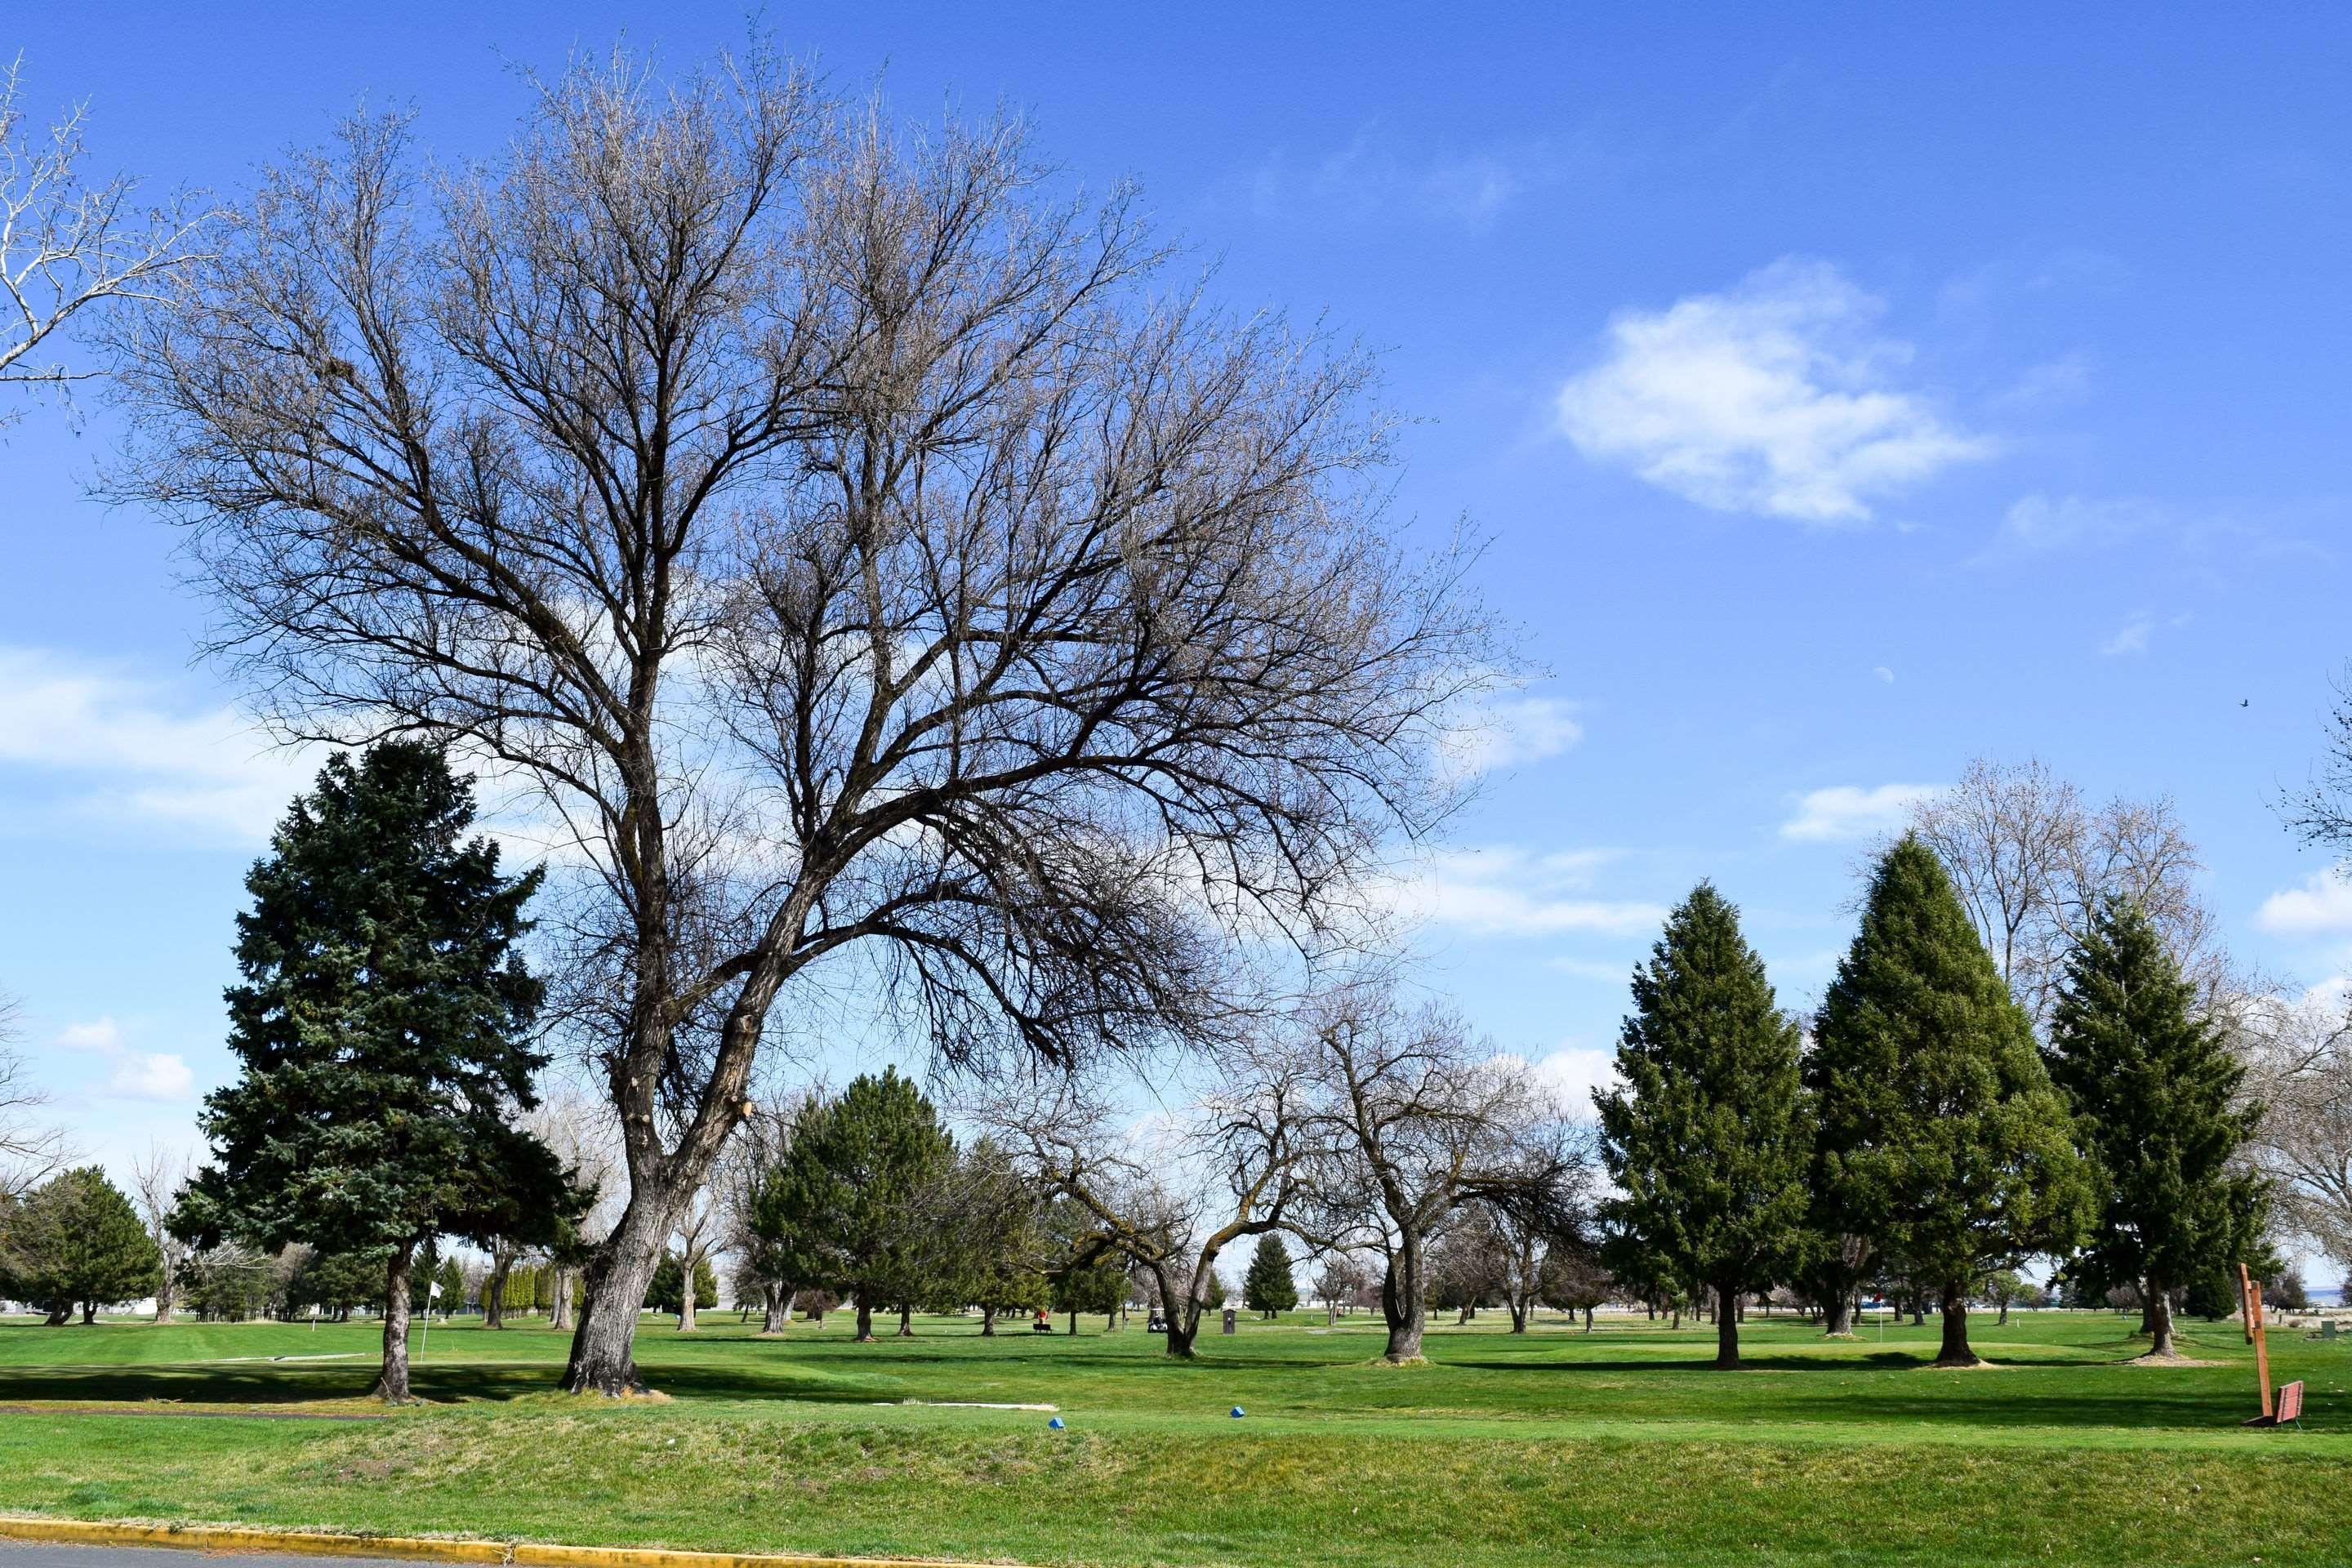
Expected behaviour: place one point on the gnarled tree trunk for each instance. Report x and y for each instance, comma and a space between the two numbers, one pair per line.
1401, 1304
603, 1347
779, 1316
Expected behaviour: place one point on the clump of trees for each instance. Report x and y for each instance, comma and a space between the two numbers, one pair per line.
73, 1244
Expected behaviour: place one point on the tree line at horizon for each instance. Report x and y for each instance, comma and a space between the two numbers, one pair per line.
1913, 1136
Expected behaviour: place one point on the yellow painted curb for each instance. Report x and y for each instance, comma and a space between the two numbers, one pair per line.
422, 1549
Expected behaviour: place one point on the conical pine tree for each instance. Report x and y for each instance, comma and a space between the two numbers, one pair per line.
1946, 1143
2154, 1089
1268, 1287
1707, 1141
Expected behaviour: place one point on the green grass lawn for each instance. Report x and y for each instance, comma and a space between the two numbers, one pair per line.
1620, 1447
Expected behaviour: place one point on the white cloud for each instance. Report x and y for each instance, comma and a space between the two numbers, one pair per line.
1570, 1073
1510, 730
1850, 811
150, 1075
135, 1075
103, 1035
1508, 892
134, 754
2320, 906
1774, 398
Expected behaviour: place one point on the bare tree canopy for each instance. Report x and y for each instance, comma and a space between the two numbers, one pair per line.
33, 1148
2299, 1068
68, 243
1414, 1123
1229, 1165
2031, 861
860, 549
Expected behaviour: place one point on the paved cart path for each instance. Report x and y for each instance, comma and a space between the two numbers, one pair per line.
43, 1554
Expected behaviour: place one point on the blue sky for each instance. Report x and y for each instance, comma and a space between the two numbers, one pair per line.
1847, 395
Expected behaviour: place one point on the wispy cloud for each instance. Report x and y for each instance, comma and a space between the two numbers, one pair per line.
1852, 811
2038, 522
1775, 397
1381, 178
1509, 892
1510, 730
131, 750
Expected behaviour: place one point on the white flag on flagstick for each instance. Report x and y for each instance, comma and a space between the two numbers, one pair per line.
432, 1292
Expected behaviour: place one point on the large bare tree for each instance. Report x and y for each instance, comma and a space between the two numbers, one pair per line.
68, 244
2031, 861
1415, 1123
862, 551
1229, 1165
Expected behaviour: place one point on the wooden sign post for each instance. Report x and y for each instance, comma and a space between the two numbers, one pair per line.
2251, 1293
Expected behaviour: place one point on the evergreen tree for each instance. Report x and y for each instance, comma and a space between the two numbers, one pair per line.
1947, 1145
854, 1206
382, 1029
667, 1293
1267, 1287
2153, 1088
75, 1242
1707, 1142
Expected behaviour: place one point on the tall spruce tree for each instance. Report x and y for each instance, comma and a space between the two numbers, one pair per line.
1267, 1285
382, 1026
855, 1208
1946, 1143
1707, 1142
2155, 1092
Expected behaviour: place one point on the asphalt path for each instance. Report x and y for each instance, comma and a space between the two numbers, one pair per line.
43, 1554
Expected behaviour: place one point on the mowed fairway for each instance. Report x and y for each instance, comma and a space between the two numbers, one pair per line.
1617, 1447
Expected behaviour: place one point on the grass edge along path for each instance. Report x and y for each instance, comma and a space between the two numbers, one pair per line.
219, 1538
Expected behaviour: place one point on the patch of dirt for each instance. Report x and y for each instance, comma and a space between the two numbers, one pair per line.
2170, 1361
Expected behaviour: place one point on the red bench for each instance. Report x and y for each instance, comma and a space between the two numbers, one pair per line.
2290, 1404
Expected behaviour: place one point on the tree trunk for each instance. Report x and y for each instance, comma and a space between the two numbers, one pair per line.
779, 1316
603, 1347
1837, 1314
1727, 1329
1588, 1319
1401, 1303
1677, 1321
2161, 1344
987, 1322
89, 1313
391, 1387
905, 1322
494, 1293
685, 1302
2004, 1314
1956, 1352
865, 1319
559, 1313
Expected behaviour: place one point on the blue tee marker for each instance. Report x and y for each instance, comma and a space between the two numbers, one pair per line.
1238, 1412
1056, 1424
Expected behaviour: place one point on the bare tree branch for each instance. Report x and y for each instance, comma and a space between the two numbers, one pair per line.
67, 245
